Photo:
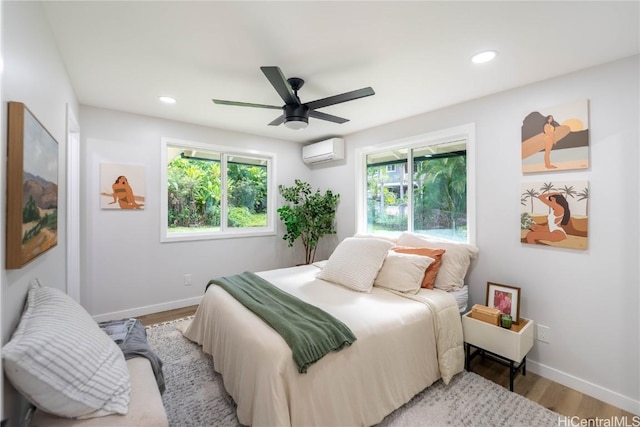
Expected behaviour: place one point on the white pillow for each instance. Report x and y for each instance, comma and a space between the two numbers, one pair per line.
62, 362
355, 263
455, 261
402, 272
391, 236
320, 264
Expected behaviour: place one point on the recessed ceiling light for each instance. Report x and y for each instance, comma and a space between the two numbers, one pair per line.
482, 57
167, 99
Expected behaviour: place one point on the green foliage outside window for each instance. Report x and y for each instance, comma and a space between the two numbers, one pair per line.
440, 201
247, 195
195, 193
439, 196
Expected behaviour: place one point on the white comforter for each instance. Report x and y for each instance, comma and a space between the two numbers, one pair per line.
404, 344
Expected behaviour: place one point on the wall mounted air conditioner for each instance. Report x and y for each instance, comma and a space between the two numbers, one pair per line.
323, 151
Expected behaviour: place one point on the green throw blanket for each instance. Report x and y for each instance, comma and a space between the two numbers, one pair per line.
310, 332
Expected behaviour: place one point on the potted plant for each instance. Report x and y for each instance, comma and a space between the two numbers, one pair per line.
307, 215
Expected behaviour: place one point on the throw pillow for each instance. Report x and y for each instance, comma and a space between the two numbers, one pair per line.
355, 262
432, 271
455, 261
62, 362
402, 272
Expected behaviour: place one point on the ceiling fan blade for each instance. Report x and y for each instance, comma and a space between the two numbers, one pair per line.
245, 104
327, 117
343, 97
277, 121
280, 84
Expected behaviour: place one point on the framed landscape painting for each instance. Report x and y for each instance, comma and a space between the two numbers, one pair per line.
32, 187
556, 138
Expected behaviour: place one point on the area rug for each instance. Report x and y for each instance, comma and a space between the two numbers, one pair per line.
195, 395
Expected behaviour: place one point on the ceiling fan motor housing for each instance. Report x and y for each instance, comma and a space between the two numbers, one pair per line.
298, 113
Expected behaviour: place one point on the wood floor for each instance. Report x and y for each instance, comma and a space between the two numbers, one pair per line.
547, 393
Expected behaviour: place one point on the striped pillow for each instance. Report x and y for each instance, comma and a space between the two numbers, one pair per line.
62, 362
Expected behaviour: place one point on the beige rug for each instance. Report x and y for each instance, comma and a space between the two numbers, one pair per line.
195, 394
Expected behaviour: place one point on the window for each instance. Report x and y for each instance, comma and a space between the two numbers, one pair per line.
215, 192
423, 184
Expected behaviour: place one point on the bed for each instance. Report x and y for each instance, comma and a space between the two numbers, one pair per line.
405, 342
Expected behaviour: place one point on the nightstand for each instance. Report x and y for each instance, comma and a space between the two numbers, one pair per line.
506, 346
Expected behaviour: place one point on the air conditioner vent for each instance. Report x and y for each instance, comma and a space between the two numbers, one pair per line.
323, 151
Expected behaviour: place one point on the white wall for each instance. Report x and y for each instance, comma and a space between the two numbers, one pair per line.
589, 298
125, 269
35, 75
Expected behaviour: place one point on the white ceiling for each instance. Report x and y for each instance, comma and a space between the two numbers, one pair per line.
416, 55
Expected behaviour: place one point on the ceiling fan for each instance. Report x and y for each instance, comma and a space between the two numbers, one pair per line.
295, 114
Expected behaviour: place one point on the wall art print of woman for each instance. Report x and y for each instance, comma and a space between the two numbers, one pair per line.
122, 186
555, 213
556, 138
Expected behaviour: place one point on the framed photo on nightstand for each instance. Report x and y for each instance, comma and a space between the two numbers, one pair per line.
505, 298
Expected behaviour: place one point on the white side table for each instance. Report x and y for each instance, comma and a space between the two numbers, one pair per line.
506, 346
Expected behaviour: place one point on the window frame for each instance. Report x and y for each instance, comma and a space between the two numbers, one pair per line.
225, 232
466, 131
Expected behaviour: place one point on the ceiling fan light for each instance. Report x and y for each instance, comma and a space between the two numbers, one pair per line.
296, 123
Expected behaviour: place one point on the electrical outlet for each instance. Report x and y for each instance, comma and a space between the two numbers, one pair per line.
544, 333
187, 280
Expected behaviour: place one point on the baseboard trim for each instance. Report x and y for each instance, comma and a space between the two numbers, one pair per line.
147, 309
609, 396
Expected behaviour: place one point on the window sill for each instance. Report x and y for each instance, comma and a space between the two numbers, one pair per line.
241, 233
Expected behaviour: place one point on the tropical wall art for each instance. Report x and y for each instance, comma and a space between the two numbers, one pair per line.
32, 187
556, 138
555, 214
122, 186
